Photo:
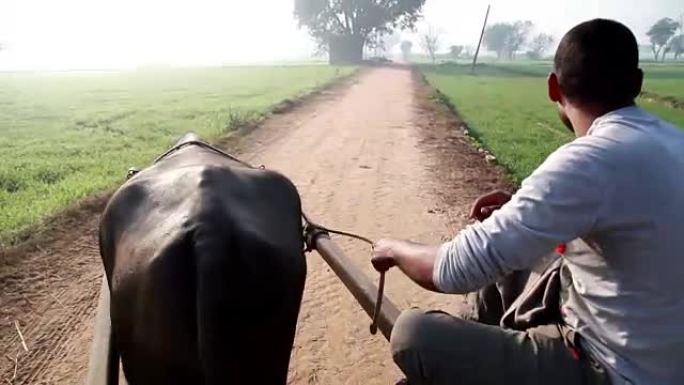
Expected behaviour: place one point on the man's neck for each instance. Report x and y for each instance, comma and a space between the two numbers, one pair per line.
583, 118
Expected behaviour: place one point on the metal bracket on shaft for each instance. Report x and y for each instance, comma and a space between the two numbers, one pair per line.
311, 234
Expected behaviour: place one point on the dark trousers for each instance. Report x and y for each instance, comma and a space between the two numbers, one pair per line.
433, 347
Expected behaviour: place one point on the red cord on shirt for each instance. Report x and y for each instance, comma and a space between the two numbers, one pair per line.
560, 249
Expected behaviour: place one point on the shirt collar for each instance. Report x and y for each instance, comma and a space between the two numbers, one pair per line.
620, 112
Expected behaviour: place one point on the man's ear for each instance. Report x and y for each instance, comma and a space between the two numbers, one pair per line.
554, 88
638, 82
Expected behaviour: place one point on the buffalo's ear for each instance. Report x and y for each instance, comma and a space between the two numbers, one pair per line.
189, 137
131, 172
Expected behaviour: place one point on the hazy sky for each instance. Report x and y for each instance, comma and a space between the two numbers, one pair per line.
62, 34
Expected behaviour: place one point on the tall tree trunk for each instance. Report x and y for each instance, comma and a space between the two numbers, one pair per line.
658, 53
346, 49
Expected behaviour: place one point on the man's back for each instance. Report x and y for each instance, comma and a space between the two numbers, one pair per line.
620, 189
628, 303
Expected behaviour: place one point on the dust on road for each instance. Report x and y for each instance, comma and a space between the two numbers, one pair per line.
375, 156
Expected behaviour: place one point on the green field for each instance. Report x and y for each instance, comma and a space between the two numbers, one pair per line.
661, 79
65, 136
507, 109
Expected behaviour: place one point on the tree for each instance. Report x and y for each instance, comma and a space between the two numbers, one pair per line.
455, 51
429, 41
468, 51
659, 35
496, 38
539, 44
406, 46
346, 26
676, 46
506, 39
518, 38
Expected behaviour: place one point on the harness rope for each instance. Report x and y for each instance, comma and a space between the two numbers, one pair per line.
311, 229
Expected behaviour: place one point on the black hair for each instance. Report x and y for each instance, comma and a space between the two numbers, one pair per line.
597, 62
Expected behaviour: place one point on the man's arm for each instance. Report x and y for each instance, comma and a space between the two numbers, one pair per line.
417, 260
559, 202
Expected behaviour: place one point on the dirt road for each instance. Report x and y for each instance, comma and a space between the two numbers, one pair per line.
376, 157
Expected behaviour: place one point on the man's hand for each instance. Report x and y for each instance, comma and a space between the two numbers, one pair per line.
485, 205
385, 253
414, 259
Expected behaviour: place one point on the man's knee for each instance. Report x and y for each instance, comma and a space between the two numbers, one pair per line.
417, 329
419, 339
408, 335
407, 330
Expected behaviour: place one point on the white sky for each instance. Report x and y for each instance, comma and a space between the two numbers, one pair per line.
460, 21
82, 34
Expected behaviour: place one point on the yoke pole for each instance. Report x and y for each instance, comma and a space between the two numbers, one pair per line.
357, 283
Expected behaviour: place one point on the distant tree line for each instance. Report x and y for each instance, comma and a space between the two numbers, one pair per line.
455, 51
509, 39
667, 35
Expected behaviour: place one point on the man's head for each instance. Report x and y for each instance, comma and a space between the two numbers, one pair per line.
596, 69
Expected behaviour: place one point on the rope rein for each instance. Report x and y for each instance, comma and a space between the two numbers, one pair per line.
311, 229
338, 232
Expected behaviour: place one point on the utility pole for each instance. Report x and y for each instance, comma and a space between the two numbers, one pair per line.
479, 43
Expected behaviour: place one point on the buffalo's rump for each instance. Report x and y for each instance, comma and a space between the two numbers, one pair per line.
206, 270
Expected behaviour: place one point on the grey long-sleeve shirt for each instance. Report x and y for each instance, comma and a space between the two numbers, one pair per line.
621, 188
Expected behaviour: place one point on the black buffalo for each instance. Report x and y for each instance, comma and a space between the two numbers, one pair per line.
205, 264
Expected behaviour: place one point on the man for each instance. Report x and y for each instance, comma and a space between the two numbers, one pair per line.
619, 188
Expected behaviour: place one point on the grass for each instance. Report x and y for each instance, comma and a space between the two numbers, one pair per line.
65, 136
508, 112
664, 79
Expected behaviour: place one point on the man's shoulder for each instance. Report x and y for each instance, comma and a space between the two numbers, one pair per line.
636, 136
617, 142
585, 165
583, 153
634, 126
617, 137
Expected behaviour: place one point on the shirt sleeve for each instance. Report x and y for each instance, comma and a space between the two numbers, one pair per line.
559, 202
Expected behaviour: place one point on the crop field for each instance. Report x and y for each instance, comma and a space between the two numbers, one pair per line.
67, 135
507, 109
665, 80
